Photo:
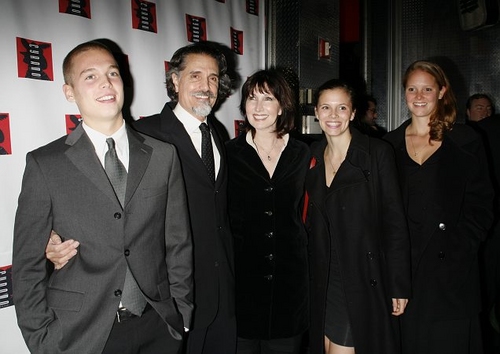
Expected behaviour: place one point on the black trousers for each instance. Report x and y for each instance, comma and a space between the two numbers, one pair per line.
147, 334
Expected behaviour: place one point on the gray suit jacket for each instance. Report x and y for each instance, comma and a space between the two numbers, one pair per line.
65, 188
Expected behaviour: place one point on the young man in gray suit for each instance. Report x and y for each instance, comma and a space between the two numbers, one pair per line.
121, 195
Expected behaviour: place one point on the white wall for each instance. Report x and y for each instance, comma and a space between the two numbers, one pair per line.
37, 108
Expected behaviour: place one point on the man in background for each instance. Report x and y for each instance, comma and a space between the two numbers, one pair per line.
479, 106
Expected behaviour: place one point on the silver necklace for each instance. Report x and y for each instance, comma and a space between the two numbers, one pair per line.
331, 163
333, 168
415, 152
268, 153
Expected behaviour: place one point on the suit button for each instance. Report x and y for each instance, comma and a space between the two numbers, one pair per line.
268, 189
118, 292
216, 264
369, 255
373, 282
127, 253
268, 277
269, 257
117, 216
268, 213
269, 234
442, 226
441, 255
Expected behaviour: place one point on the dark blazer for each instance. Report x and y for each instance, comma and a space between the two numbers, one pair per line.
212, 240
445, 267
362, 216
270, 240
65, 189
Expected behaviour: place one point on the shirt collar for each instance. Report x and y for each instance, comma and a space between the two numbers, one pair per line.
190, 122
250, 141
99, 139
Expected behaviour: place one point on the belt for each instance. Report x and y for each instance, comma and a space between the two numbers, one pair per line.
123, 314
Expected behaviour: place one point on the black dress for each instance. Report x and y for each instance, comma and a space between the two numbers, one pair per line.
337, 324
423, 196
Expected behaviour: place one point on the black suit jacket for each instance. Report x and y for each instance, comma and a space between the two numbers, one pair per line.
207, 203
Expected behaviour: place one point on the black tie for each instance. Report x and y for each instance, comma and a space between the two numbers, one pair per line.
132, 297
207, 153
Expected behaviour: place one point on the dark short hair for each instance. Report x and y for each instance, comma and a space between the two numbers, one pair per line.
83, 47
178, 63
477, 96
271, 81
337, 84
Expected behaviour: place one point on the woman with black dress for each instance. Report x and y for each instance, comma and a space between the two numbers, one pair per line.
448, 199
266, 173
358, 236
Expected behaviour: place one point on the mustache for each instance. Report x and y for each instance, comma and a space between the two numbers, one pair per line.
203, 94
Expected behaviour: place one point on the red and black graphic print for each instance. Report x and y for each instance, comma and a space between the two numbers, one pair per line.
34, 59
144, 16
72, 121
6, 286
75, 7
196, 28
237, 41
5, 147
252, 7
239, 127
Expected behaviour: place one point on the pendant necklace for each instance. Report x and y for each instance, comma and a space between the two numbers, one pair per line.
334, 172
331, 165
268, 153
415, 152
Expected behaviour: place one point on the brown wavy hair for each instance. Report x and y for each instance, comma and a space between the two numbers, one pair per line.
445, 114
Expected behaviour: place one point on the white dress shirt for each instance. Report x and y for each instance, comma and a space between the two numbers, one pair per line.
192, 126
101, 147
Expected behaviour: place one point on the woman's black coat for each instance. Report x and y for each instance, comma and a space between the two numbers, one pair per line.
270, 241
445, 269
362, 215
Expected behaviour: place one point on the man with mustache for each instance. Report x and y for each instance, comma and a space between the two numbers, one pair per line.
196, 78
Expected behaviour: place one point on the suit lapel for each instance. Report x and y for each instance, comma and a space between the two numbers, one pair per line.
348, 175
219, 144
82, 155
177, 135
287, 160
140, 155
249, 157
